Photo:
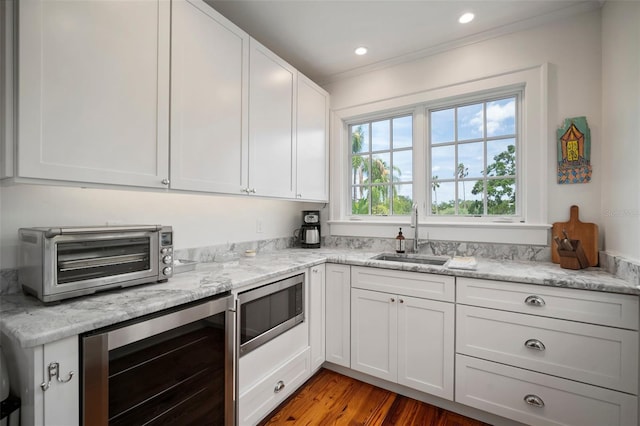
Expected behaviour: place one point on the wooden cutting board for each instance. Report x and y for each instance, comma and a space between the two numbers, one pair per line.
587, 233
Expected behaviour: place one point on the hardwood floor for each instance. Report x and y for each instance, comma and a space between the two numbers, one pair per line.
329, 398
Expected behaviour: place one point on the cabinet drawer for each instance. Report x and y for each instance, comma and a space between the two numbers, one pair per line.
617, 310
426, 286
502, 390
260, 399
598, 355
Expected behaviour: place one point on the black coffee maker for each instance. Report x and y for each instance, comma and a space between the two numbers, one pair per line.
310, 230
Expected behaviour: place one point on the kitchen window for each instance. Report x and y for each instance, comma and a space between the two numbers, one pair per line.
381, 159
509, 205
473, 157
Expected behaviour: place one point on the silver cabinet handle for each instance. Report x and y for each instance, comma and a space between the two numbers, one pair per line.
535, 344
246, 190
53, 372
534, 400
279, 386
252, 190
534, 301
165, 181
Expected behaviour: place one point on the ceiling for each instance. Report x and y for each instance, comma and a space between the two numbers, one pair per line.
319, 37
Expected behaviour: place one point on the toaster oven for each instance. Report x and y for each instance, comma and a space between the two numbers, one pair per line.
59, 263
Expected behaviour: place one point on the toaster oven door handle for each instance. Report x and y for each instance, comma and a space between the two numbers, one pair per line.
74, 265
54, 232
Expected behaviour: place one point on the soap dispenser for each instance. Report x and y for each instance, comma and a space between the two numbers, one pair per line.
400, 242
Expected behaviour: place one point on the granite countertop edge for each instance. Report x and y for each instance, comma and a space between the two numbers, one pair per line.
29, 322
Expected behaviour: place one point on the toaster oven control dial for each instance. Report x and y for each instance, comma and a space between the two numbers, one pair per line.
167, 260
165, 250
168, 270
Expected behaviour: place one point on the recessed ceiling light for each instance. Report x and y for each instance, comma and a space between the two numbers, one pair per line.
361, 51
466, 18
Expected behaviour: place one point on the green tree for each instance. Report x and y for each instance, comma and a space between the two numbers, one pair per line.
461, 173
501, 196
435, 184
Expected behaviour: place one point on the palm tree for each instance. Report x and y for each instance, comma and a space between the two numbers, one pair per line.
357, 162
462, 172
435, 184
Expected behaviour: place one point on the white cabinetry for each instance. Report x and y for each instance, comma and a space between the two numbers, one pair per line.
311, 143
338, 314
59, 404
93, 90
270, 373
399, 337
272, 106
317, 315
209, 100
543, 355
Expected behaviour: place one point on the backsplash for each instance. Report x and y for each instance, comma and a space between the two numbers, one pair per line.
448, 248
620, 267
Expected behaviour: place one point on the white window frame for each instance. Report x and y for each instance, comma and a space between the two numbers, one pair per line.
369, 120
519, 216
530, 227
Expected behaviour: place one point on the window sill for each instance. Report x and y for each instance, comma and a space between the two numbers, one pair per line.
487, 232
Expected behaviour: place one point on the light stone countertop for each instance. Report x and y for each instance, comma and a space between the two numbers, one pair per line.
29, 322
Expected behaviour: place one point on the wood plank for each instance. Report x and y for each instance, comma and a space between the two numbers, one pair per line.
329, 398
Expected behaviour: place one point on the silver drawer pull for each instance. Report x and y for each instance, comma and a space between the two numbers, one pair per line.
535, 344
534, 301
279, 386
534, 400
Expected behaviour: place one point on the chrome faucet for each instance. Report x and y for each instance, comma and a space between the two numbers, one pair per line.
414, 224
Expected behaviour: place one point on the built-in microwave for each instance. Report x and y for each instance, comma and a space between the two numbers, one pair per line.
266, 312
58, 263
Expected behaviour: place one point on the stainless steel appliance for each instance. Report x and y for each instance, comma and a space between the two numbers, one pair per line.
310, 230
174, 367
268, 311
58, 263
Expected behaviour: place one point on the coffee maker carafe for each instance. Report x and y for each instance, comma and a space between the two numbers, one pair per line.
310, 230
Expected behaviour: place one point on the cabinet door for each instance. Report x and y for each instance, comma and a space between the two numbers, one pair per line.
62, 400
209, 78
425, 345
317, 315
93, 86
374, 337
338, 314
311, 144
272, 94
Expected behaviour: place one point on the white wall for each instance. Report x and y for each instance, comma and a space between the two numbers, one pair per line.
197, 220
571, 46
620, 130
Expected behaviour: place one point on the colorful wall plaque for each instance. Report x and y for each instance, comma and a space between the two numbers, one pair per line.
574, 151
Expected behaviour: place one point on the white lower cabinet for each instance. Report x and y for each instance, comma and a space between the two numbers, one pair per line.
317, 315
547, 356
539, 399
59, 404
338, 314
399, 338
263, 396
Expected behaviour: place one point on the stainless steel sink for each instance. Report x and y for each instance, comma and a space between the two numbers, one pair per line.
412, 258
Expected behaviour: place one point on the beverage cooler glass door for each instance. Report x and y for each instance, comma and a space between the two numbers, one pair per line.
174, 368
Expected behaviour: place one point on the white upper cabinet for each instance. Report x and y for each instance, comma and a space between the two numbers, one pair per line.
272, 106
209, 80
312, 146
93, 91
